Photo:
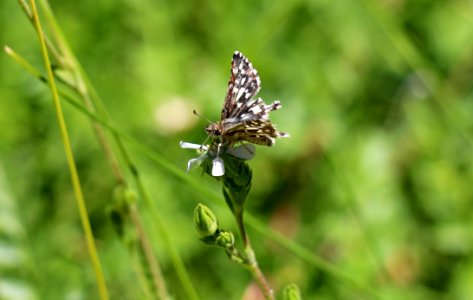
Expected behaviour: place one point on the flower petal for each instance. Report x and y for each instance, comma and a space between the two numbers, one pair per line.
218, 168
194, 162
245, 151
186, 145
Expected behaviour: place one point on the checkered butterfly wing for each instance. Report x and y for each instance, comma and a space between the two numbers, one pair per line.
243, 117
243, 85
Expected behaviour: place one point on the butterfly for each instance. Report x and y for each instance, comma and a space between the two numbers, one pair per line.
244, 118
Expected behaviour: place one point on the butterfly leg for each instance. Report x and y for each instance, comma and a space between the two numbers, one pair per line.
219, 146
203, 144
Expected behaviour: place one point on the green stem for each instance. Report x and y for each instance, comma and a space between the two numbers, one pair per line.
54, 52
308, 256
152, 263
85, 85
176, 260
156, 273
103, 292
250, 261
252, 265
241, 227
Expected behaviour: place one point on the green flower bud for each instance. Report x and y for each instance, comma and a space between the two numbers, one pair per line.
291, 292
225, 239
205, 220
130, 196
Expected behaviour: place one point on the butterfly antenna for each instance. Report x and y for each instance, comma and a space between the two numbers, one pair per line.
205, 141
202, 117
208, 136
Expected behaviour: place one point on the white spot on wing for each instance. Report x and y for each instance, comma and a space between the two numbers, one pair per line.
240, 92
256, 110
250, 103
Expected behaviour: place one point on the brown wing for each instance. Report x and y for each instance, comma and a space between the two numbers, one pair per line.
261, 132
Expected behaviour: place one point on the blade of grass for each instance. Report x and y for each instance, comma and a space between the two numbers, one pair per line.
81, 84
153, 265
103, 292
84, 87
49, 45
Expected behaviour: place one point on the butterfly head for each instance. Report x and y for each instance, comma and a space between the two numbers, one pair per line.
214, 129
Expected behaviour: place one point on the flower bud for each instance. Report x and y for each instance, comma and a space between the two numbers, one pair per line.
225, 239
124, 196
205, 220
291, 292
119, 211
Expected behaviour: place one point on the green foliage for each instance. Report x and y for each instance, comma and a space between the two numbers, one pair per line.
236, 183
374, 183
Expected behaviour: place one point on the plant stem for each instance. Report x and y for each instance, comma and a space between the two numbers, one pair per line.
241, 227
88, 95
252, 265
157, 275
103, 292
54, 52
250, 259
157, 278
175, 257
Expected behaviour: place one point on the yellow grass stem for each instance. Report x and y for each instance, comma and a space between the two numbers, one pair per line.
70, 160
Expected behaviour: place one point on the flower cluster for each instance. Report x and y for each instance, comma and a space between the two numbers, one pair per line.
211, 155
211, 234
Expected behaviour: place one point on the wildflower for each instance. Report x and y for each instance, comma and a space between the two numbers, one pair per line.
244, 151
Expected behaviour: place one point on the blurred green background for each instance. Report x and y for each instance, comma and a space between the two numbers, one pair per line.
376, 177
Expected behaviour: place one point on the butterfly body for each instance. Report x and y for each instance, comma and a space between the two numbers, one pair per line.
245, 118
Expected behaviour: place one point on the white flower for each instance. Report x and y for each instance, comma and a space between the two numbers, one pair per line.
244, 151
194, 162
